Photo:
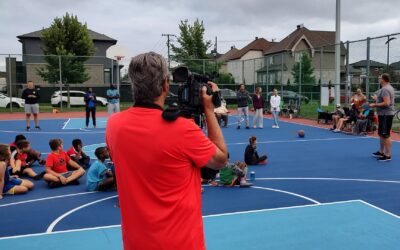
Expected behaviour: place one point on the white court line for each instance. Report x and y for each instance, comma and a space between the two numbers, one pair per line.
381, 209
66, 123
287, 192
302, 140
206, 216
327, 179
45, 198
55, 222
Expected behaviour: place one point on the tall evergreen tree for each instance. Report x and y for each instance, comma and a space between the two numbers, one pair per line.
307, 70
192, 47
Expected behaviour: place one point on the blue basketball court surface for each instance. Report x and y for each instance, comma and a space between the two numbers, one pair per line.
324, 191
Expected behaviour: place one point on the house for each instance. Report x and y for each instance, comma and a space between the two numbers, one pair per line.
243, 63
375, 69
99, 68
395, 67
280, 58
223, 59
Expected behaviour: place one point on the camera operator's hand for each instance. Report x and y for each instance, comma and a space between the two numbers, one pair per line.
206, 100
213, 86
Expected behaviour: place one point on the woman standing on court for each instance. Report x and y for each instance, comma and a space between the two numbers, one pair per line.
275, 107
258, 105
90, 100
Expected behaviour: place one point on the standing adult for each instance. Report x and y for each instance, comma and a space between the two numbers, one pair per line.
384, 103
358, 99
113, 99
90, 100
258, 105
243, 97
159, 180
275, 107
31, 97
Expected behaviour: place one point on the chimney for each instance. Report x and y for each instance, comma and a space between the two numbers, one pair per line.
232, 47
256, 38
300, 26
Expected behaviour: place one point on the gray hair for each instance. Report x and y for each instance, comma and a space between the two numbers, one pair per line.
147, 72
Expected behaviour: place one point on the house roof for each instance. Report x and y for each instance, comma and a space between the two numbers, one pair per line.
259, 44
315, 38
94, 35
225, 57
395, 65
372, 64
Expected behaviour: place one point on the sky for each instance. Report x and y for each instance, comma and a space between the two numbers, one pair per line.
138, 24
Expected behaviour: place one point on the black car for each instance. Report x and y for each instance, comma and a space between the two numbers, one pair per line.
171, 98
287, 95
229, 96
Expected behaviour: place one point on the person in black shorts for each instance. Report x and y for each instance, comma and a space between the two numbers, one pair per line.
31, 97
385, 108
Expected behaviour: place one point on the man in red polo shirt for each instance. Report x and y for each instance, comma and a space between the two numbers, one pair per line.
158, 163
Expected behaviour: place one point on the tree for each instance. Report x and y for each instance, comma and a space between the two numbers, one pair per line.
307, 70
68, 39
193, 47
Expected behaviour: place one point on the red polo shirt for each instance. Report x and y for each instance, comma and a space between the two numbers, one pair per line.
158, 176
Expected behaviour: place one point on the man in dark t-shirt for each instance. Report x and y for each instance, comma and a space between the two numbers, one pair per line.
31, 97
385, 109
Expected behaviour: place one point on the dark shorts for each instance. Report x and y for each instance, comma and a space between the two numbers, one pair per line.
10, 185
385, 125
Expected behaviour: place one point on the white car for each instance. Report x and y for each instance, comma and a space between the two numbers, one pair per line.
16, 102
76, 98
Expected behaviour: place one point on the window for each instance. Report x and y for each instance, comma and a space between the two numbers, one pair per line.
107, 76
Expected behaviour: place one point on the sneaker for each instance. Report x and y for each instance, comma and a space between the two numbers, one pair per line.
254, 126
261, 127
276, 126
39, 176
28, 128
238, 127
247, 127
336, 131
377, 154
273, 126
38, 128
385, 158
246, 184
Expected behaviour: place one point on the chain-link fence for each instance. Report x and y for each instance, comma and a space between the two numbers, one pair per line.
305, 74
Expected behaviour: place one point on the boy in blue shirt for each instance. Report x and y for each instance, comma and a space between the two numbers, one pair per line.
99, 176
113, 100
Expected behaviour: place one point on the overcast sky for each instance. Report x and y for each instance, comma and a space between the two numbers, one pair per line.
139, 24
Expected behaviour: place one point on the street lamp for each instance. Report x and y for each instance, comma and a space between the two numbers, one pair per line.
388, 48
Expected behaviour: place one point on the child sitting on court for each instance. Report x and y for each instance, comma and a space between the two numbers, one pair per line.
21, 162
234, 174
251, 156
57, 173
76, 154
99, 176
9, 184
33, 155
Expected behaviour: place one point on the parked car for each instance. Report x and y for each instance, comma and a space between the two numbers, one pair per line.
76, 98
229, 96
15, 102
171, 98
287, 95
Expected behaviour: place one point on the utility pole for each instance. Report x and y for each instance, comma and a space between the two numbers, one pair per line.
168, 45
388, 48
337, 53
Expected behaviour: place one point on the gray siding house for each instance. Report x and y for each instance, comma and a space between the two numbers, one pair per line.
100, 69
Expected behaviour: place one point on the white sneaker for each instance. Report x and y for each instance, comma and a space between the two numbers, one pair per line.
273, 126
276, 126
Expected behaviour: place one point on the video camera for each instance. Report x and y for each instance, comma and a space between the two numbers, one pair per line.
189, 96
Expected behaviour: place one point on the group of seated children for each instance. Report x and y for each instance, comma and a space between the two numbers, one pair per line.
357, 117
235, 173
61, 168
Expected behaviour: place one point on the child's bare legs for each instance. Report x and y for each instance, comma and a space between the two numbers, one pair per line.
75, 175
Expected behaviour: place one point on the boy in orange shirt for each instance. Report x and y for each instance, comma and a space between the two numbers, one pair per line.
57, 173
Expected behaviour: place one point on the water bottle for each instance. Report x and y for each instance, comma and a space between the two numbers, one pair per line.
252, 176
